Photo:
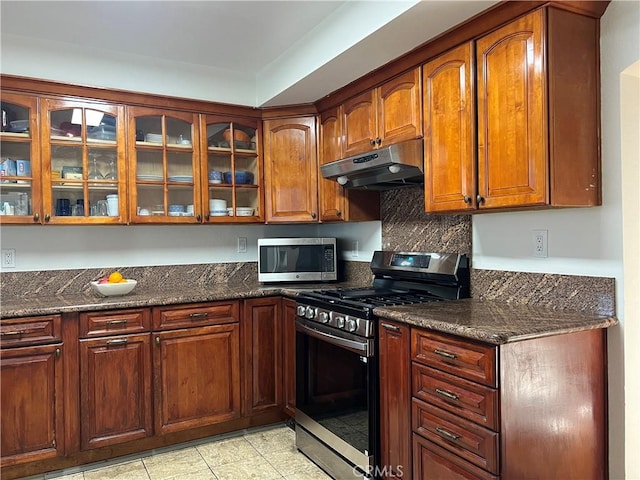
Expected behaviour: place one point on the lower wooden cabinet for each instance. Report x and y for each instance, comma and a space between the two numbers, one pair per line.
115, 389
32, 412
289, 355
395, 399
262, 343
196, 377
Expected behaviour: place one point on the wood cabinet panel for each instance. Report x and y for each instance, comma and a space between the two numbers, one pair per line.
464, 358
98, 324
360, 123
196, 377
395, 398
115, 389
512, 120
431, 462
400, 108
16, 332
470, 400
262, 327
384, 115
475, 444
31, 407
289, 355
449, 141
291, 170
196, 314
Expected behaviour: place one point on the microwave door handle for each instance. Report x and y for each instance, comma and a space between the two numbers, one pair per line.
361, 348
276, 257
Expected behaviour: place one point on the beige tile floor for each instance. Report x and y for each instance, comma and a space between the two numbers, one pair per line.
260, 454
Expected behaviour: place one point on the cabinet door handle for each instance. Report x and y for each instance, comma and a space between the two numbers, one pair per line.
117, 322
442, 353
195, 316
58, 352
449, 395
372, 142
378, 141
206, 217
390, 327
313, 215
157, 340
198, 217
12, 333
118, 342
479, 199
446, 433
467, 199
338, 213
36, 217
47, 217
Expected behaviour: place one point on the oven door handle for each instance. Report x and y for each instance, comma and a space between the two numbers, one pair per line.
361, 348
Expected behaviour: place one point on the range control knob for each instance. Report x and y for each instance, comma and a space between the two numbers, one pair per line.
352, 325
340, 322
311, 313
300, 310
324, 317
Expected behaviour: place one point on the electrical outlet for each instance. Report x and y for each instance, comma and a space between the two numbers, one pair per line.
242, 244
8, 258
355, 248
540, 243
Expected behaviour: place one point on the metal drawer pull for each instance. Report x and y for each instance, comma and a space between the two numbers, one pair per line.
445, 433
390, 327
12, 333
198, 315
120, 341
116, 322
449, 395
442, 353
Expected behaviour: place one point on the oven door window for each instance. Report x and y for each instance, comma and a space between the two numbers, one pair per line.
334, 388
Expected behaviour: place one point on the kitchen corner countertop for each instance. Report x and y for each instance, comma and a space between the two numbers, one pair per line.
12, 307
494, 322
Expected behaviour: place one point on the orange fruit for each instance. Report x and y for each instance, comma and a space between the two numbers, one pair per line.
115, 277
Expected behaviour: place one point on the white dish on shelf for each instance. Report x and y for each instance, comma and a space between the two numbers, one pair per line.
181, 178
149, 178
244, 211
219, 213
153, 137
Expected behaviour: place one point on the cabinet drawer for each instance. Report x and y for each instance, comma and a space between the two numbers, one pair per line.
201, 314
469, 400
471, 360
431, 462
15, 332
467, 440
96, 324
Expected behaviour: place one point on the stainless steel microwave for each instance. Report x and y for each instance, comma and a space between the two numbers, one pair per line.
297, 260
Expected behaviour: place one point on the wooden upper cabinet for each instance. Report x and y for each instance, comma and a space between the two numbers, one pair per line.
449, 144
331, 193
291, 170
538, 126
83, 164
384, 115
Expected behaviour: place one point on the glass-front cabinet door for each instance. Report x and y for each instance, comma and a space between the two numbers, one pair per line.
163, 166
20, 189
232, 173
83, 163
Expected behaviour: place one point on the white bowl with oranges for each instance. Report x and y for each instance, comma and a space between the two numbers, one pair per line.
113, 284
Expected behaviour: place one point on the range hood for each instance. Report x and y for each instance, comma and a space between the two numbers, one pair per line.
398, 165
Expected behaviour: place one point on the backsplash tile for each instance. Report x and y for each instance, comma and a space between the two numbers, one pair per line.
561, 292
160, 278
406, 226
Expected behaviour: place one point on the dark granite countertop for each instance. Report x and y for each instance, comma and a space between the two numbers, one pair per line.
12, 307
492, 321
489, 321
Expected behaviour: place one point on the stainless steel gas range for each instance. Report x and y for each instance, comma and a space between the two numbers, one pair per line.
337, 413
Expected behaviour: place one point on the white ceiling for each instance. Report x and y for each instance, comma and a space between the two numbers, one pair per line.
293, 51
